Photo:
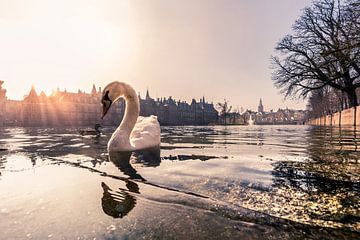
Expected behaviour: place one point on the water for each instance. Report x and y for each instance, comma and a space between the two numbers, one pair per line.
238, 182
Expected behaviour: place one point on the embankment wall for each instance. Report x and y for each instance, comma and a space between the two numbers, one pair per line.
346, 117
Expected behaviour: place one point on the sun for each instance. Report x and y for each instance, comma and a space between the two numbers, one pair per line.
66, 50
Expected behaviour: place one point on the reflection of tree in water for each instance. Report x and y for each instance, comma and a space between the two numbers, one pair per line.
120, 203
326, 186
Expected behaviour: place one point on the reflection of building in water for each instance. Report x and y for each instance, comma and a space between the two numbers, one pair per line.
73, 109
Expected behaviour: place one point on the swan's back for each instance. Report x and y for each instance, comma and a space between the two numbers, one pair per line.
146, 133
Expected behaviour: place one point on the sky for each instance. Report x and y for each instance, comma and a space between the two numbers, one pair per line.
185, 49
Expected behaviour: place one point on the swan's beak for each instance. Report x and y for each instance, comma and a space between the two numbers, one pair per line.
106, 107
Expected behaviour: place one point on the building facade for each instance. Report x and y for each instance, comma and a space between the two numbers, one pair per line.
2, 104
281, 116
172, 112
64, 108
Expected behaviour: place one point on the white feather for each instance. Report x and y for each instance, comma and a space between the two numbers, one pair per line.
134, 132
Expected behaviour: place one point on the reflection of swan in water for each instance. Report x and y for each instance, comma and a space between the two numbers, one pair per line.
95, 132
134, 132
122, 161
147, 157
120, 203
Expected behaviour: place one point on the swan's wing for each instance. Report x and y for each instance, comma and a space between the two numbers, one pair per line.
146, 133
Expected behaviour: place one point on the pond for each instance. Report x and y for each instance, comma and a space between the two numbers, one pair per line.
209, 182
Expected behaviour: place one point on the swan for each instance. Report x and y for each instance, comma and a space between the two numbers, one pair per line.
134, 132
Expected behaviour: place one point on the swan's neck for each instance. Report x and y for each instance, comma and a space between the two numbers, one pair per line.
132, 110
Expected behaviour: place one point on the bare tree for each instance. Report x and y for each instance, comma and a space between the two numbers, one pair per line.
224, 110
326, 101
323, 51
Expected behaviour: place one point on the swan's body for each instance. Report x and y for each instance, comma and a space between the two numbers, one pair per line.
134, 132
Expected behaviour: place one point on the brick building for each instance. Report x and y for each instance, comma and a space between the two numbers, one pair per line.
64, 108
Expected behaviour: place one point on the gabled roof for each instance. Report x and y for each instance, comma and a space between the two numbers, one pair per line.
32, 96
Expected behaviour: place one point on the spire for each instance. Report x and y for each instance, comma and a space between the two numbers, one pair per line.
32, 92
147, 94
261, 107
42, 96
93, 91
32, 96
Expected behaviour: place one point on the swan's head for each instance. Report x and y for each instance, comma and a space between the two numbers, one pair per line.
112, 92
106, 102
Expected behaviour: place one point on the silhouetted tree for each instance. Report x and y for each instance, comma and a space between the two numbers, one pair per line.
224, 110
323, 51
326, 101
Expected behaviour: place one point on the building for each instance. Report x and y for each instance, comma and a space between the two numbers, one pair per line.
280, 117
2, 104
64, 108
172, 112
260, 107
13, 115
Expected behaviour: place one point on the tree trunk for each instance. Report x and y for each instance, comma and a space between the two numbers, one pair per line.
351, 94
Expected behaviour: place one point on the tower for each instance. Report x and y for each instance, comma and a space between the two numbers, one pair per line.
31, 111
147, 94
93, 91
261, 107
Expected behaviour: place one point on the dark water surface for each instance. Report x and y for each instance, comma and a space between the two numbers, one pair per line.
246, 182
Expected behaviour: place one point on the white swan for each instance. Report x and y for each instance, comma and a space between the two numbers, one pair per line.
135, 132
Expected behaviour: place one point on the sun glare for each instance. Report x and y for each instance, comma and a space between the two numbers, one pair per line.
58, 51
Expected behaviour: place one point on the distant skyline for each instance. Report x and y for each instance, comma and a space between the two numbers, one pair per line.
185, 49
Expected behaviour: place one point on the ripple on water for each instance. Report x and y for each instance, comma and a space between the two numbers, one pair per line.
256, 178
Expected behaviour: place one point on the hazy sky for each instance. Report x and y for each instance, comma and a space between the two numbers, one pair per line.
187, 48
